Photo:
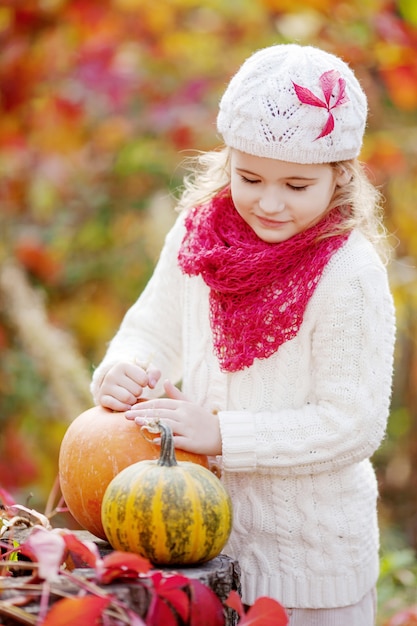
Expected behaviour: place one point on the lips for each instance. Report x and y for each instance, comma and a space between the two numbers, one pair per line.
267, 223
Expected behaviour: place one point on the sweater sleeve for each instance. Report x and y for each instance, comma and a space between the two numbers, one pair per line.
342, 419
150, 331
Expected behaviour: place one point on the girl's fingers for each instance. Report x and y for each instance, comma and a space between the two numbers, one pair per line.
109, 402
173, 392
177, 428
152, 415
153, 377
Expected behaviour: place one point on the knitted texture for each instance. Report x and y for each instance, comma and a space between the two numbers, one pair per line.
296, 428
294, 103
258, 290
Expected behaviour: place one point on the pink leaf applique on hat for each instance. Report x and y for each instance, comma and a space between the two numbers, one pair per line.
328, 81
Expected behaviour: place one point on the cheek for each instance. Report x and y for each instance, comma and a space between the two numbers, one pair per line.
310, 208
240, 195
322, 197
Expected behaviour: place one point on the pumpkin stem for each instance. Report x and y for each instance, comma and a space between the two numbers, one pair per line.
167, 457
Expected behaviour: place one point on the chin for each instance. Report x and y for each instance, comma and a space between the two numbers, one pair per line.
271, 237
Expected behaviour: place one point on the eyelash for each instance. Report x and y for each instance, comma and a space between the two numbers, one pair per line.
250, 181
294, 188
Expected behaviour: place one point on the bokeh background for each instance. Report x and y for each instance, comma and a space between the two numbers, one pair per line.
100, 103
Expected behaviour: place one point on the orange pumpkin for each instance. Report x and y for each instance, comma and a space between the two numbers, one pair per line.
98, 445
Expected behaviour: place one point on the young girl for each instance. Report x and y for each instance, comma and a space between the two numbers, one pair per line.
270, 303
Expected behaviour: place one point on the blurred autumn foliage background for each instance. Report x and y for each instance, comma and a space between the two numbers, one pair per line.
100, 102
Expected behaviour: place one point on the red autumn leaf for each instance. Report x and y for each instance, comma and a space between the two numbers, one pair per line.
328, 127
122, 565
234, 602
46, 548
178, 599
76, 611
307, 97
171, 589
265, 612
206, 608
176, 581
328, 81
82, 552
160, 613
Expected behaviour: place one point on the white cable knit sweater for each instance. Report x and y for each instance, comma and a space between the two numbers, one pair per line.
297, 428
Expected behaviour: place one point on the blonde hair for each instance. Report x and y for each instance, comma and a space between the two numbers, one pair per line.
209, 172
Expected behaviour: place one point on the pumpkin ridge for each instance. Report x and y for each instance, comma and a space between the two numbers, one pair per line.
144, 513
198, 537
211, 512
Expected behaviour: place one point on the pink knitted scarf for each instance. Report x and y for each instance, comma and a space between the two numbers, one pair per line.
258, 291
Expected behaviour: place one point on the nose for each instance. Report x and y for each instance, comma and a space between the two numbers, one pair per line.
270, 202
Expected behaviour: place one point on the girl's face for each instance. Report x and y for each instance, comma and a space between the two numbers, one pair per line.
279, 199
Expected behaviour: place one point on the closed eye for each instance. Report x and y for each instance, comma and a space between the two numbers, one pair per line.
251, 181
297, 187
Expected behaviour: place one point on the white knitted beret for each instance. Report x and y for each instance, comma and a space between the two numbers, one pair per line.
294, 103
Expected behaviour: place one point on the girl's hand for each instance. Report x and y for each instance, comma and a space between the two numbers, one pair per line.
195, 429
124, 383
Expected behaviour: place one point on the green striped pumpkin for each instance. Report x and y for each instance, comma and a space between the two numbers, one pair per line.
173, 513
